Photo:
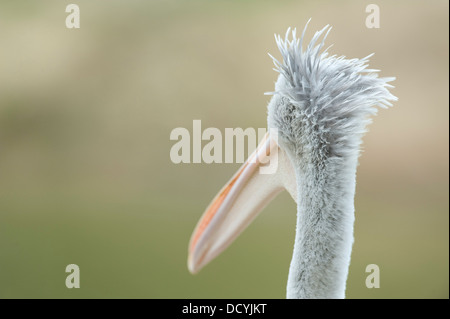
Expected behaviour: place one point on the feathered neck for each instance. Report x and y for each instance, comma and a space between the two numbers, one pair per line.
321, 107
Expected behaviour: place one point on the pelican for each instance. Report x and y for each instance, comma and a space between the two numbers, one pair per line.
319, 112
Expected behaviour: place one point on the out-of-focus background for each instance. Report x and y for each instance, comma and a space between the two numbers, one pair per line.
85, 119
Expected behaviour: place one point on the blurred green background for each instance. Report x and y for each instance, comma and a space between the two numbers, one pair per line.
85, 173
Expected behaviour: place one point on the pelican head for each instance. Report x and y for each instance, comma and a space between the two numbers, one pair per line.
317, 116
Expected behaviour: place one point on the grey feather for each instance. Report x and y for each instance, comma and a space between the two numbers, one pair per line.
321, 107
333, 93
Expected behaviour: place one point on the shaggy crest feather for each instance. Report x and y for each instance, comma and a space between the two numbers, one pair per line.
333, 96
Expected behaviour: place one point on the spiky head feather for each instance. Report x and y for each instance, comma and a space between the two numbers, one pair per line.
322, 104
